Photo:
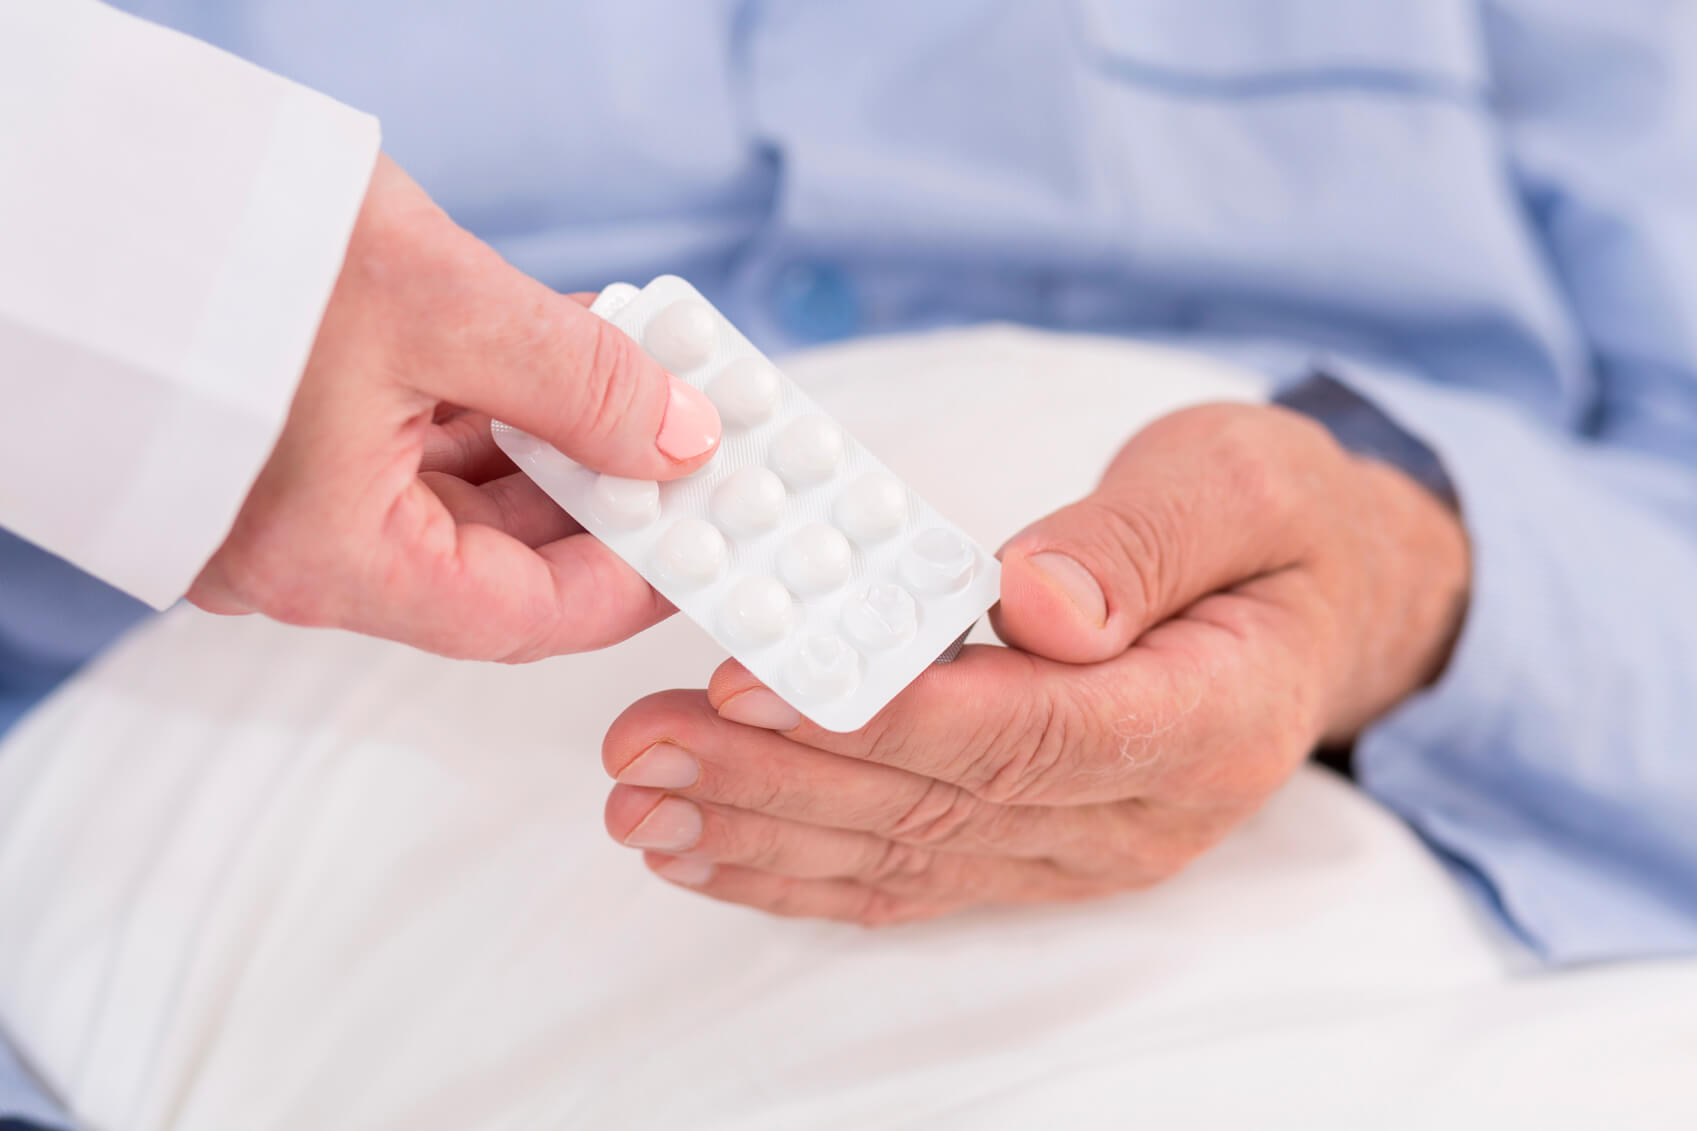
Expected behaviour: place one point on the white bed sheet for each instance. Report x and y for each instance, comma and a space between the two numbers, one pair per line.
257, 878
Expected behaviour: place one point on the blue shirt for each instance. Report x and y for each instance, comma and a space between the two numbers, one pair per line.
1482, 214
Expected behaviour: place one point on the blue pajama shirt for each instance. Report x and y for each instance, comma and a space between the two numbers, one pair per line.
1479, 215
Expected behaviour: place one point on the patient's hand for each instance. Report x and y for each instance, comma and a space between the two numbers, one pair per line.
1238, 590
386, 507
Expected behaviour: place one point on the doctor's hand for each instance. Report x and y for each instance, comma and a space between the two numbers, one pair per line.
1237, 590
386, 508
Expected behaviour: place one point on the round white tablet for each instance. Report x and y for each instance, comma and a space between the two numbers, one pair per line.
691, 553
883, 616
749, 501
823, 668
758, 611
939, 561
625, 504
873, 508
808, 451
746, 391
816, 559
681, 337
614, 298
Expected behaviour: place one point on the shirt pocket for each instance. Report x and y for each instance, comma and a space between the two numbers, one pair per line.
1244, 46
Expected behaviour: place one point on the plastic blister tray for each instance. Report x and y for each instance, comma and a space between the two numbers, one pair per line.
796, 549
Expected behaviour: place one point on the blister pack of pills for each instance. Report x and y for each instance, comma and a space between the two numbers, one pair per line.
796, 549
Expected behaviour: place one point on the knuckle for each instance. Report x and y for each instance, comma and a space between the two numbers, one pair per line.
764, 792
938, 816
509, 513
1028, 767
900, 864
462, 440
891, 739
754, 844
1144, 549
605, 394
885, 739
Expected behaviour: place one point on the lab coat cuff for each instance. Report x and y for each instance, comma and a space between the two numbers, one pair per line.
170, 234
257, 330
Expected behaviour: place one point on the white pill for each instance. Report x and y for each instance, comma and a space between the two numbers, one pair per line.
749, 501
873, 508
681, 337
691, 553
939, 561
625, 504
823, 668
746, 391
809, 451
758, 612
613, 299
816, 559
884, 616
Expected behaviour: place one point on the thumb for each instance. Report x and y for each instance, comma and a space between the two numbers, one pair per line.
458, 323
547, 365
1191, 505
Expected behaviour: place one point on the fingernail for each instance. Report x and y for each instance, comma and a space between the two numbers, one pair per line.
691, 425
681, 870
760, 708
665, 765
674, 825
1075, 583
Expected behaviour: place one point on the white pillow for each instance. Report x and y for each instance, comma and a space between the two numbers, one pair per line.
256, 878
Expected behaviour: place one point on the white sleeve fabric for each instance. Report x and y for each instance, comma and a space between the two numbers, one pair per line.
172, 222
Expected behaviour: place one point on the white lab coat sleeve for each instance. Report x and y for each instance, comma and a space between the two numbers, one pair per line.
172, 222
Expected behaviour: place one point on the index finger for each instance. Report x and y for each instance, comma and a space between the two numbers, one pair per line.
993, 722
1195, 706
541, 361
761, 771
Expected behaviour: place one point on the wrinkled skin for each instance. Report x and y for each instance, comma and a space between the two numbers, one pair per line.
1237, 591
